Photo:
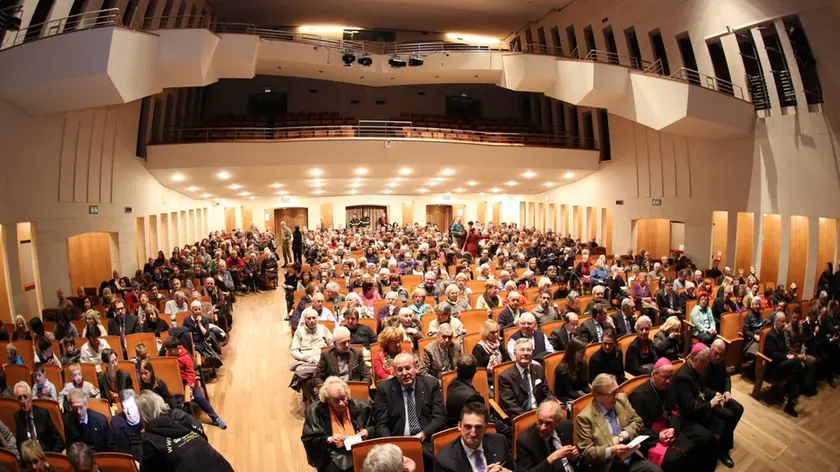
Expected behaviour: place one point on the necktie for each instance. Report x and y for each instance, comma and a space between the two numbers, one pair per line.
551, 446
480, 464
413, 420
32, 433
526, 378
600, 331
122, 332
616, 429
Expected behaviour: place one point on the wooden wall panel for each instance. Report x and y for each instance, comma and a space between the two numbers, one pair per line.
174, 234
230, 218
292, 216
564, 219
827, 246
140, 240
497, 212
441, 215
481, 212
89, 259
269, 219
720, 233
248, 216
607, 229
6, 305
653, 235
552, 217
407, 213
577, 228
798, 256
541, 216
206, 222
182, 228
191, 234
591, 223
745, 232
327, 215
532, 215
522, 214
163, 233
770, 246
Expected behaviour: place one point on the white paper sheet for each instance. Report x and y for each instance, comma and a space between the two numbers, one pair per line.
636, 442
349, 442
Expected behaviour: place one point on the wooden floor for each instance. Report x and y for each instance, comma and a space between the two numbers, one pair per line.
265, 419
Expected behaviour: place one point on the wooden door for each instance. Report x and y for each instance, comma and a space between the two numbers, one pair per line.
497, 212
441, 215
89, 259
407, 213
230, 218
247, 217
482, 212
292, 216
327, 214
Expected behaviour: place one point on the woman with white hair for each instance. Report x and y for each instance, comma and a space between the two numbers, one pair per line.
165, 427
310, 337
330, 421
352, 300
641, 354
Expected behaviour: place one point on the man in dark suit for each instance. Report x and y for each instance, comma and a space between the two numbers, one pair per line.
522, 386
560, 337
716, 379
510, 315
783, 366
668, 301
34, 422
607, 360
461, 391
548, 445
123, 323
408, 404
84, 425
624, 319
592, 329
476, 450
340, 354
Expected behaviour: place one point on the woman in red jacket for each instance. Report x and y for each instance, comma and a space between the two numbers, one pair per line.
471, 241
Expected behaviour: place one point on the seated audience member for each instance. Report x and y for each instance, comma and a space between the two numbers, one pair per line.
369, 293
92, 350
716, 379
723, 303
528, 330
92, 324
310, 337
408, 404
697, 401
81, 457
394, 285
411, 326
673, 444
562, 289
342, 361
490, 299
604, 428
795, 338
545, 312
12, 355
562, 336
63, 326
456, 303
461, 390
429, 286
34, 422
351, 302
598, 293
8, 441
439, 356
668, 301
72, 355
33, 457
783, 366
690, 294
192, 390
153, 323
21, 332
642, 296
625, 318
705, 329
126, 434
42, 388
44, 353
203, 338
443, 314
164, 426
359, 333
112, 380
510, 315
324, 313
123, 323
330, 421
84, 425
390, 344
548, 445
489, 351
591, 330
76, 381
311, 289
387, 458
641, 353
753, 323
391, 308
669, 340
607, 360
418, 303
571, 376
821, 336
616, 285
178, 304
476, 445
522, 387
36, 326
149, 381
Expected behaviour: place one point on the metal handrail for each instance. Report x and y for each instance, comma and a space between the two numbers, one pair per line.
655, 68
536, 48
378, 130
81, 21
710, 82
614, 58
575, 54
203, 21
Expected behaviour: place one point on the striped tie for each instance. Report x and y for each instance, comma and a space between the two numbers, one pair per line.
413, 420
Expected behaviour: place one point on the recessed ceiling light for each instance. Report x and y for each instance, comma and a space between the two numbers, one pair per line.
282, 192
397, 179
568, 175
223, 175
317, 184
316, 172
432, 184
234, 186
318, 192
192, 189
439, 179
391, 184
447, 172
422, 190
361, 171
276, 185
495, 190
529, 174
387, 191
244, 194
472, 183
178, 177
405, 171
352, 191
206, 195
481, 194
355, 185
252, 198
549, 184
459, 189
510, 183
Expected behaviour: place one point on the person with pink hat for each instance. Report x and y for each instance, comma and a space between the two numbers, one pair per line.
673, 444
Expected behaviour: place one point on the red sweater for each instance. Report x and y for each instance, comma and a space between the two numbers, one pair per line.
185, 365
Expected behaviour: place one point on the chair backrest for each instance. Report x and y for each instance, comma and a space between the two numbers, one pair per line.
473, 320
497, 371
474, 298
130, 368
470, 341
8, 461
443, 438
369, 322
166, 369
547, 328
629, 385
55, 412
426, 321
88, 374
689, 306
18, 373
496, 312
729, 325
624, 343
180, 317
766, 313
590, 349
54, 376
148, 339
677, 364
330, 325
115, 462
530, 294
423, 342
59, 462
359, 390
100, 405
411, 280
476, 285
762, 339
508, 332
26, 350
479, 382
8, 407
114, 343
578, 406
411, 447
522, 423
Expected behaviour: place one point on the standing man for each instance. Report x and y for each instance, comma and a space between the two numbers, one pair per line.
476, 450
286, 243
456, 232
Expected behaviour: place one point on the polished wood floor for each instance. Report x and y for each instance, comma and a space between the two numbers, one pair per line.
264, 416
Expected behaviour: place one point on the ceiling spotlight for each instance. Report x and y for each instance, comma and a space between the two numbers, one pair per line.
316, 172
252, 198
192, 189
365, 60
178, 177
387, 191
397, 179
472, 183
495, 190
391, 184
510, 183
244, 194
433, 183
349, 58
317, 184
568, 175
549, 184
282, 192
447, 172
206, 195
276, 185
223, 175
529, 174
318, 192
361, 171
235, 187
396, 62
352, 191
415, 61
422, 190
459, 189
405, 171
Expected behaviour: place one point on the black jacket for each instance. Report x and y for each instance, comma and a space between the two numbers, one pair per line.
637, 360
126, 438
512, 396
693, 397
459, 393
670, 301
96, 434
623, 327
123, 383
532, 450
775, 348
175, 442
358, 369
668, 347
362, 335
482, 358
568, 389
588, 332
720, 306
716, 378
390, 407
317, 427
559, 338
602, 363
453, 457
652, 406
45, 430
131, 325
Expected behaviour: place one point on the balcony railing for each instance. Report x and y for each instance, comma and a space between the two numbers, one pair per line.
614, 58
709, 82
377, 130
82, 21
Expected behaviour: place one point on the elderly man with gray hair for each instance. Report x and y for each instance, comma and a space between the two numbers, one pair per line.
387, 458
342, 361
307, 343
84, 425
439, 356
528, 330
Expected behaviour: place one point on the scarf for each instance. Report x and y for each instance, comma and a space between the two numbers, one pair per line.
492, 349
491, 302
343, 427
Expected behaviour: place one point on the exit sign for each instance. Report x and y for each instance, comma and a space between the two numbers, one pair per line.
285, 200
657, 202
93, 209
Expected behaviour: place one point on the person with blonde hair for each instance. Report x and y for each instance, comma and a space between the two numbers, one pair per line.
668, 342
390, 343
490, 299
353, 301
33, 456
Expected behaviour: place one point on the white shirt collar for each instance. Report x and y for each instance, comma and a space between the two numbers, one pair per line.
470, 451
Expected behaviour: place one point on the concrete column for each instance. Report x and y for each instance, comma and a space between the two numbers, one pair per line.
735, 63
772, 93
795, 77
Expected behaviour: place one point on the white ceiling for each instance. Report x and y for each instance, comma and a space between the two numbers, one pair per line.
494, 18
341, 180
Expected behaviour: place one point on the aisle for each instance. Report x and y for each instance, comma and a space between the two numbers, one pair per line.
252, 394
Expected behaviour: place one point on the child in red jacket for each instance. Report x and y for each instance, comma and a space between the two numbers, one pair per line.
191, 389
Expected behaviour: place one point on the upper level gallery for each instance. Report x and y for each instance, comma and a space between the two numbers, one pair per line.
103, 62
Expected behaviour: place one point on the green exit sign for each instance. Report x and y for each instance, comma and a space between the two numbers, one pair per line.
657, 202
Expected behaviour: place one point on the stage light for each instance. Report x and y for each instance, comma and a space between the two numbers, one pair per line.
365, 60
396, 62
349, 58
415, 61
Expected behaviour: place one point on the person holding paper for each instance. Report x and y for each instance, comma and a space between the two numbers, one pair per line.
605, 430
672, 444
333, 424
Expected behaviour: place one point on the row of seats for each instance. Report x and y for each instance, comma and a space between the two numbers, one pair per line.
105, 461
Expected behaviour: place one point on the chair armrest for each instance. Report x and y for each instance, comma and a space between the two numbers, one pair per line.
689, 323
763, 357
629, 375
495, 406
